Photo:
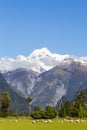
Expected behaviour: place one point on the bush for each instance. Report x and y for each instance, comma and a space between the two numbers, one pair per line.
78, 111
49, 113
4, 113
65, 109
62, 112
38, 114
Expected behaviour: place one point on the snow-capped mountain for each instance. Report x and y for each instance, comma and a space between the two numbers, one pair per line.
45, 76
50, 86
39, 60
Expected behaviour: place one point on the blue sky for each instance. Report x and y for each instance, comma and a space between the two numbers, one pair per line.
59, 25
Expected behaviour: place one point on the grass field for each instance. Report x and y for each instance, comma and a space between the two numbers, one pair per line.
27, 124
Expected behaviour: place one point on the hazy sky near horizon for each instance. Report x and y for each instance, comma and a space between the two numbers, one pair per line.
59, 25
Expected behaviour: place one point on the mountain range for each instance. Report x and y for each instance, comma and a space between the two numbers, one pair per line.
44, 76
39, 60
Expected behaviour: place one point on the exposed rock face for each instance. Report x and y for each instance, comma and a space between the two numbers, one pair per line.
50, 87
63, 81
21, 80
18, 103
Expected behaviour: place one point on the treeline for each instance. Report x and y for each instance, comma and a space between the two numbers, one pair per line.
76, 108
48, 113
38, 113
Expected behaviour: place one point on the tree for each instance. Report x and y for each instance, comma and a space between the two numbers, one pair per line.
65, 109
29, 100
5, 102
67, 106
38, 113
79, 105
62, 112
77, 108
81, 97
50, 112
37, 108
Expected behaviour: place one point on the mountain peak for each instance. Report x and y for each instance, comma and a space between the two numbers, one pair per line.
21, 58
40, 52
39, 60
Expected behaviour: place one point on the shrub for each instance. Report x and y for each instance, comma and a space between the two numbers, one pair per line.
50, 112
38, 114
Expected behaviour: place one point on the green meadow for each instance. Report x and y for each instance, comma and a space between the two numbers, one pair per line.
24, 123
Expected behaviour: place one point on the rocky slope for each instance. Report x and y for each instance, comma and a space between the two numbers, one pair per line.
63, 81
21, 80
18, 103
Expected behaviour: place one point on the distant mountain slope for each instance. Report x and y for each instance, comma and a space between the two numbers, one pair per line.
21, 80
18, 103
77, 81
50, 87
61, 81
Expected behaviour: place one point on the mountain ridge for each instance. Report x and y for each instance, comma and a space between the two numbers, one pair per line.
47, 77
39, 60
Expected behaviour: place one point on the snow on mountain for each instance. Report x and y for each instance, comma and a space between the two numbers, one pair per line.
28, 76
21, 58
39, 60
40, 53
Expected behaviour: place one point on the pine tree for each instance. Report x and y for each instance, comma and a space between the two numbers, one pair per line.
5, 102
